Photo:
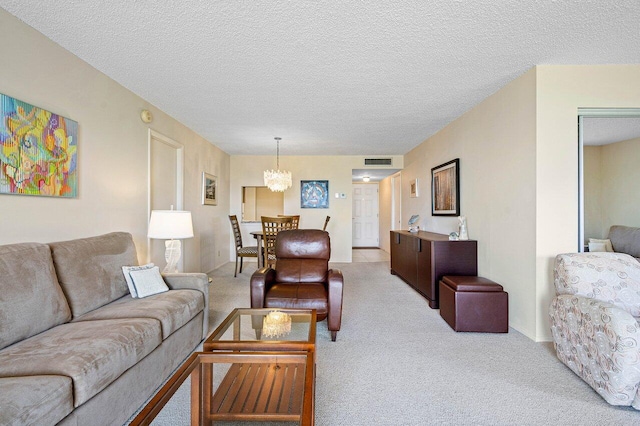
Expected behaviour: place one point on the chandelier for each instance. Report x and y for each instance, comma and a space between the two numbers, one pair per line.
277, 180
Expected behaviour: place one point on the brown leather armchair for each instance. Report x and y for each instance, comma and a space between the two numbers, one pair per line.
302, 278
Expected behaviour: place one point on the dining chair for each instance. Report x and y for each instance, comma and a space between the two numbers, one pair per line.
326, 221
270, 228
295, 218
241, 251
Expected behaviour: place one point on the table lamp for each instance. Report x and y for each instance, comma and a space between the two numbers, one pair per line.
171, 225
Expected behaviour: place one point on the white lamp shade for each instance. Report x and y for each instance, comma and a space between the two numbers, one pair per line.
170, 224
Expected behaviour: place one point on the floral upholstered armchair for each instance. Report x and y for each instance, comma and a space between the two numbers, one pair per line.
594, 321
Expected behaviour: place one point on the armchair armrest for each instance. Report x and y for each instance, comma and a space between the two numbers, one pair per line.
261, 281
192, 281
600, 343
334, 289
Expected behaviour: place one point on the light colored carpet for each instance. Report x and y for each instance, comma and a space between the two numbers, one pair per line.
396, 362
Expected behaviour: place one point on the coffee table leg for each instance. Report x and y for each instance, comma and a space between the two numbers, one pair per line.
236, 329
196, 397
201, 383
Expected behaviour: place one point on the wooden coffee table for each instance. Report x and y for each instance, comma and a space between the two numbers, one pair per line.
242, 386
243, 375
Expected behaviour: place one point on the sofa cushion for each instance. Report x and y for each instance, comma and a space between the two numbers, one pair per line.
90, 269
173, 309
35, 400
625, 239
31, 300
92, 353
301, 296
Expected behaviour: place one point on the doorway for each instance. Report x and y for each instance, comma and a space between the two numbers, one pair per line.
165, 185
366, 229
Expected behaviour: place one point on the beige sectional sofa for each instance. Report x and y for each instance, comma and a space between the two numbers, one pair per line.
75, 347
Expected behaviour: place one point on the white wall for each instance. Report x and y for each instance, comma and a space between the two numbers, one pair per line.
611, 196
247, 170
495, 142
385, 192
592, 164
620, 184
561, 90
112, 154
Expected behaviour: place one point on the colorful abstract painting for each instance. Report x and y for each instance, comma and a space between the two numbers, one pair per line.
38, 151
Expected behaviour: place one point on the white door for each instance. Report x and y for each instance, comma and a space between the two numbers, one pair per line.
366, 229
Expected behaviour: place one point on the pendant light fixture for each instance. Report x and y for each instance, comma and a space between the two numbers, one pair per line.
277, 180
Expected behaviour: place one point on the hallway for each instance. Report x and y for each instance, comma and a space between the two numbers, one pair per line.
369, 255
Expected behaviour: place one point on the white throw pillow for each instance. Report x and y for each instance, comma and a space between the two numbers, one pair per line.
607, 244
127, 276
595, 247
148, 282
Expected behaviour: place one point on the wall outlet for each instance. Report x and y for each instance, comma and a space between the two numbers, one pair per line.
343, 195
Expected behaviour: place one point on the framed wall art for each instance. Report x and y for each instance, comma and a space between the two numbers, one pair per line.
38, 151
445, 189
314, 194
209, 189
413, 189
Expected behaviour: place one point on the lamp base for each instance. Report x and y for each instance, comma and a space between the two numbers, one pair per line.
172, 254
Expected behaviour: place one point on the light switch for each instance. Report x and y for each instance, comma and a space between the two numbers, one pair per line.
337, 195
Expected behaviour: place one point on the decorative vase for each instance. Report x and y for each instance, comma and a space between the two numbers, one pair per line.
463, 235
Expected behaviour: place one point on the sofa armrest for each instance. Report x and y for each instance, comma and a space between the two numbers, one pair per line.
334, 290
192, 281
600, 343
261, 281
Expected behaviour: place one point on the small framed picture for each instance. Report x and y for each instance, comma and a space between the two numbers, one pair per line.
314, 194
209, 189
413, 189
445, 189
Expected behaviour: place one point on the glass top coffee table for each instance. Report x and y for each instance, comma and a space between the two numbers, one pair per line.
256, 366
248, 329
241, 386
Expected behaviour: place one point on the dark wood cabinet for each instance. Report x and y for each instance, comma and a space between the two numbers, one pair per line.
403, 252
422, 258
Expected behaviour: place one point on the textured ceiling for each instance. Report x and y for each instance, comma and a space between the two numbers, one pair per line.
329, 77
606, 130
374, 175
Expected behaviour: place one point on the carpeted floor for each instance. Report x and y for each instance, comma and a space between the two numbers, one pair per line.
396, 362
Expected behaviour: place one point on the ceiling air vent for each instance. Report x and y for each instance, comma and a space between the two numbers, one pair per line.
378, 162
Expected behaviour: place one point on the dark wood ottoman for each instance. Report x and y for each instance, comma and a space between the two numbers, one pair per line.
474, 304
